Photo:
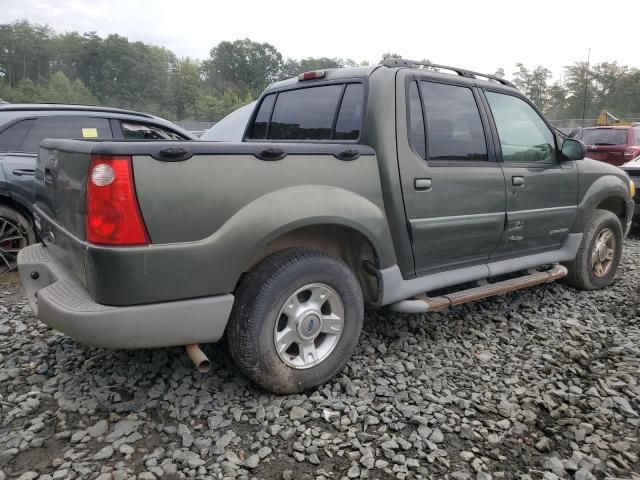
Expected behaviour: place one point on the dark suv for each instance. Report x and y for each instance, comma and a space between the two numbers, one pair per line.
23, 126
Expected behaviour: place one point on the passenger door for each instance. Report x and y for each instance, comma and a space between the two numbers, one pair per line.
454, 191
542, 188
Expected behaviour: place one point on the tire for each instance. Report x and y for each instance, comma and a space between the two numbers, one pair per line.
295, 279
16, 232
584, 272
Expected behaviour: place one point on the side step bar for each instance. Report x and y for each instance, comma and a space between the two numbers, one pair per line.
425, 304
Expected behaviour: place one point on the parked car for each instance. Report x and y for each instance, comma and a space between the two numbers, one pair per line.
23, 126
232, 127
373, 185
633, 170
614, 145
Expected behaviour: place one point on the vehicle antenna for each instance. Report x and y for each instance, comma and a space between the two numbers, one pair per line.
586, 83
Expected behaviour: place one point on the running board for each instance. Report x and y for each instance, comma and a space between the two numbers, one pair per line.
425, 304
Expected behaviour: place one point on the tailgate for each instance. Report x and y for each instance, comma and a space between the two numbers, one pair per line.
60, 183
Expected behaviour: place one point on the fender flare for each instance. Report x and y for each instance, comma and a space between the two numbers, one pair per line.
282, 211
605, 187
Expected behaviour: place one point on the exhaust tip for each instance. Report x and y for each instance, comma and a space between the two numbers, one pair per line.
198, 357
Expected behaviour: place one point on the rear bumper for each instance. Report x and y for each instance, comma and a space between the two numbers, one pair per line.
60, 302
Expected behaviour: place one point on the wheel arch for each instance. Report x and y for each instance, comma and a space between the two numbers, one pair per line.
606, 193
333, 220
345, 242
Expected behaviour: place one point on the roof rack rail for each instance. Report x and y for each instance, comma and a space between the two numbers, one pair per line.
69, 106
401, 62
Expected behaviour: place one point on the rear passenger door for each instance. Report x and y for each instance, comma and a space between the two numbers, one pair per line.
542, 188
20, 164
454, 191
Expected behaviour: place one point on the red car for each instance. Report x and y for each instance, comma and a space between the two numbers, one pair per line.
614, 145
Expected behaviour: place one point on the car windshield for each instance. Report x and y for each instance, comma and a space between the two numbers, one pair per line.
230, 128
604, 136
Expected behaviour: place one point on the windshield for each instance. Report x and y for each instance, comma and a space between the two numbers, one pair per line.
604, 136
230, 128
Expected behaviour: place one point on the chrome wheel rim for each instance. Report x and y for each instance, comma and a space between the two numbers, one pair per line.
309, 326
12, 240
603, 253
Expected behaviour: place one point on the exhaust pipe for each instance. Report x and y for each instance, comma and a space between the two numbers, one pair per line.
199, 359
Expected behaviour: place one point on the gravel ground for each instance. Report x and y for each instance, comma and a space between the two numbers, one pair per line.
542, 383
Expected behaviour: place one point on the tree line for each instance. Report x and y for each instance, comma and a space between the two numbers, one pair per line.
38, 64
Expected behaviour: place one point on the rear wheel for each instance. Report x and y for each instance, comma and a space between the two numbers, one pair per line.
598, 257
16, 232
296, 320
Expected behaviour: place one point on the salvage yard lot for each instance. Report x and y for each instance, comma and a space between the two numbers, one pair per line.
543, 382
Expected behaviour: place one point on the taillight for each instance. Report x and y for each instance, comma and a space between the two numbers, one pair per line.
311, 75
632, 152
113, 214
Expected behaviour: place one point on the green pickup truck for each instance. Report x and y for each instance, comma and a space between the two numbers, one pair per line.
407, 186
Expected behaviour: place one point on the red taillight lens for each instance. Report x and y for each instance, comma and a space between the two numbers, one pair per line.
113, 214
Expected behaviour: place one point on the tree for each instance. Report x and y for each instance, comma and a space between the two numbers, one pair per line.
244, 64
186, 87
533, 83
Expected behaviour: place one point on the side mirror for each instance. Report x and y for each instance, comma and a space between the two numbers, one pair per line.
574, 149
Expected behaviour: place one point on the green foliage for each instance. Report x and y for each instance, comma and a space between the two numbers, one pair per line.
40, 65
533, 83
243, 64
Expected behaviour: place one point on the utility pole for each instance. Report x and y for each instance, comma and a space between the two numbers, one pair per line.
586, 84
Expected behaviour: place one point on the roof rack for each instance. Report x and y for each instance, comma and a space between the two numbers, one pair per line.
401, 62
68, 106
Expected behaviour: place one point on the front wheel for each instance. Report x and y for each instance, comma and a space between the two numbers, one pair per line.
598, 257
296, 320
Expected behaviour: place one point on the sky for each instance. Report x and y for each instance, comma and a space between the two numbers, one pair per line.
477, 35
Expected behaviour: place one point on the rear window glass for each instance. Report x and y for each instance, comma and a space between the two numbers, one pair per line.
604, 136
305, 114
313, 113
144, 131
259, 127
11, 139
66, 127
350, 116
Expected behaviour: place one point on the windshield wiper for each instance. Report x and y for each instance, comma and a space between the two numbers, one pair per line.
603, 144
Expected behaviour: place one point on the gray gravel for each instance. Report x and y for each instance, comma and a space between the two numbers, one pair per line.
542, 383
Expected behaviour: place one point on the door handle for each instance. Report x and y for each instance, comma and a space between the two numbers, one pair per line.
422, 184
517, 181
22, 172
271, 154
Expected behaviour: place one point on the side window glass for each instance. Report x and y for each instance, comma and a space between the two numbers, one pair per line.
351, 112
454, 126
65, 126
305, 114
260, 124
143, 131
11, 139
524, 137
416, 121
